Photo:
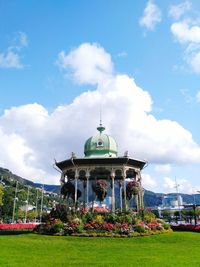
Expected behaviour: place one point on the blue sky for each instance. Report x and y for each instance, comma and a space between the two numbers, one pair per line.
60, 61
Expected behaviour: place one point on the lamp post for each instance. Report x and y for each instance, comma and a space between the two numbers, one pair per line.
41, 208
36, 206
196, 205
14, 205
177, 193
27, 200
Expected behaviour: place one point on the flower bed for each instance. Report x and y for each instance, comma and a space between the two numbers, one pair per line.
186, 227
16, 228
119, 224
128, 235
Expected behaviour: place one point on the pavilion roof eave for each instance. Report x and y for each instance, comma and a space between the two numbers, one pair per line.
100, 161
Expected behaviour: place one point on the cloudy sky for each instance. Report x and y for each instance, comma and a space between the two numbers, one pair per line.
139, 61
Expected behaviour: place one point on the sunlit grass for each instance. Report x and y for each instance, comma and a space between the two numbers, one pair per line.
174, 249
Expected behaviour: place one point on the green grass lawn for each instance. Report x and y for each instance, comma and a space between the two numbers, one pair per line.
174, 249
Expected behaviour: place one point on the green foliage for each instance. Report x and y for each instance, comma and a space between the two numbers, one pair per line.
125, 218
167, 215
166, 226
60, 212
1, 195
7, 208
56, 227
99, 219
112, 218
7, 198
51, 227
87, 217
148, 216
139, 229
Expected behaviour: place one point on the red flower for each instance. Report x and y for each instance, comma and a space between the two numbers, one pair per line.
15, 226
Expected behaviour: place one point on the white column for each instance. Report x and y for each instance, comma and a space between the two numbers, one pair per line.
76, 187
113, 190
140, 195
120, 195
87, 187
62, 178
124, 184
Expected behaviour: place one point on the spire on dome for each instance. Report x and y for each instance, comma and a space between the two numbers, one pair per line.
101, 128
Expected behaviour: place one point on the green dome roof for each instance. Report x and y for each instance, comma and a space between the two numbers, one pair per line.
101, 145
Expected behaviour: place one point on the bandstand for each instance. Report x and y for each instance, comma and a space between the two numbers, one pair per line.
101, 170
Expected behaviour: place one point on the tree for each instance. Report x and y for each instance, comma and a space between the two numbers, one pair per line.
7, 207
166, 215
177, 215
1, 195
1, 199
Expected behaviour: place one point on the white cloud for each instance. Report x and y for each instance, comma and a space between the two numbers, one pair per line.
39, 136
122, 54
11, 57
186, 33
148, 182
198, 96
182, 185
187, 96
169, 185
151, 17
195, 62
89, 63
176, 11
163, 168
23, 39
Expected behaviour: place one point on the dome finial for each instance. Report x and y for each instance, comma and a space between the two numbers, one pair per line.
100, 116
101, 128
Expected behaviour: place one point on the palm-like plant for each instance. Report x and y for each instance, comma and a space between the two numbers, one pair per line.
132, 189
100, 188
68, 190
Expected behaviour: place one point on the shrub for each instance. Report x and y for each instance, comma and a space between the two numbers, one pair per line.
56, 227
125, 218
122, 228
88, 226
188, 227
112, 218
139, 228
52, 226
153, 225
107, 226
147, 216
70, 228
166, 226
87, 217
98, 219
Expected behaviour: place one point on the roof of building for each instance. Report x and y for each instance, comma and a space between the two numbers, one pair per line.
101, 162
100, 145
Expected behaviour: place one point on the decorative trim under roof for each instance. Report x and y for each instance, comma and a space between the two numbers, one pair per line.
100, 161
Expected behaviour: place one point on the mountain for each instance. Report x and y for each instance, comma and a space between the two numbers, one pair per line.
49, 187
9, 178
